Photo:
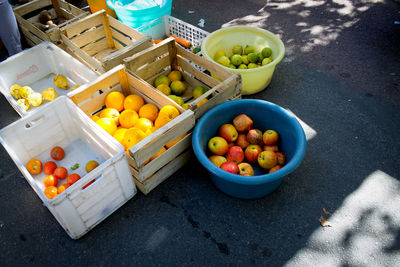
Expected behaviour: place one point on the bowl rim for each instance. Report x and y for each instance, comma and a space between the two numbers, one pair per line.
230, 28
249, 180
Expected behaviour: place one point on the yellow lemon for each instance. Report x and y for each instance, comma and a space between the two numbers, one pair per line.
24, 91
61, 81
163, 88
107, 124
23, 103
14, 91
110, 113
35, 99
119, 135
144, 124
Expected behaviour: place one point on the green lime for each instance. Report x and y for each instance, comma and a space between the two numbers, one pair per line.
244, 59
198, 91
224, 61
266, 61
162, 79
178, 87
252, 66
252, 57
242, 66
232, 66
266, 52
260, 57
237, 49
236, 60
248, 49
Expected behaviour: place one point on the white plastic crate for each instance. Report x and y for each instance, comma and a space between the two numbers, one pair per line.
162, 27
62, 123
36, 67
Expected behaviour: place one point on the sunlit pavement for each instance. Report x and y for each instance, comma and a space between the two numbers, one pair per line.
341, 78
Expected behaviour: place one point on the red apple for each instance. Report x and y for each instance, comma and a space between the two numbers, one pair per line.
245, 169
217, 160
242, 123
251, 153
271, 148
235, 154
230, 166
274, 169
255, 136
281, 158
270, 137
242, 141
218, 145
228, 132
267, 159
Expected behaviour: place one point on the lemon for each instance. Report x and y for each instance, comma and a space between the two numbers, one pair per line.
266, 61
252, 57
178, 88
237, 49
61, 81
162, 79
266, 52
23, 103
236, 60
35, 99
242, 66
25, 91
252, 66
219, 53
163, 88
223, 60
175, 75
248, 49
49, 94
198, 91
244, 59
14, 91
177, 99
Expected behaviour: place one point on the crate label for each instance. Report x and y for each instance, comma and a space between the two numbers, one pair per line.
32, 69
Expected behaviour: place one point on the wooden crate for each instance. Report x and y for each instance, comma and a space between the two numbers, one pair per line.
168, 55
90, 98
27, 17
102, 42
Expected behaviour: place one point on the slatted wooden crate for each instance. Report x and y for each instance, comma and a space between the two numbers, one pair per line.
168, 55
101, 41
27, 17
90, 98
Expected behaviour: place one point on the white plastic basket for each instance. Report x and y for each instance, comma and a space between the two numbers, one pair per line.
36, 67
162, 27
62, 123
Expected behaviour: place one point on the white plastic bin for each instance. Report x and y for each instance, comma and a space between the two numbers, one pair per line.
62, 123
36, 67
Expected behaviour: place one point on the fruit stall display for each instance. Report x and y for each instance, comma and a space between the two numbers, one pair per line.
101, 41
171, 70
154, 130
41, 20
81, 174
35, 76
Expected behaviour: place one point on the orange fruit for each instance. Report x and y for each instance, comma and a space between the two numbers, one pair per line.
107, 124
115, 100
202, 102
50, 180
119, 134
110, 113
149, 131
128, 118
34, 166
132, 137
173, 142
167, 113
51, 192
175, 75
144, 124
149, 111
62, 188
94, 117
133, 102
162, 150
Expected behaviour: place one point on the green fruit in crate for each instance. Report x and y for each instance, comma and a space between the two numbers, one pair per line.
35, 99
252, 57
224, 61
252, 66
178, 88
14, 91
185, 106
266, 61
25, 91
236, 60
23, 103
242, 66
237, 49
162, 79
248, 49
244, 59
266, 52
177, 99
198, 91
163, 88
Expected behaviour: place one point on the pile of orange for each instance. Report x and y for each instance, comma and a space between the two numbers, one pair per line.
129, 119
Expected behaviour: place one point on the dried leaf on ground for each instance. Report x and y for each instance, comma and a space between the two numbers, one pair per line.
324, 223
326, 212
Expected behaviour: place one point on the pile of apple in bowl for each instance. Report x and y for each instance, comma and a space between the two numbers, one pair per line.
248, 146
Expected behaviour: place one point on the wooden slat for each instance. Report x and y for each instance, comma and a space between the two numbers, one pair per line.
95, 47
205, 78
56, 7
147, 56
117, 57
153, 68
31, 28
120, 37
95, 64
107, 29
123, 80
32, 6
104, 53
125, 29
71, 8
88, 36
118, 45
83, 24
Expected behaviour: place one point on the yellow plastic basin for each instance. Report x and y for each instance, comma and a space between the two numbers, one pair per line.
253, 80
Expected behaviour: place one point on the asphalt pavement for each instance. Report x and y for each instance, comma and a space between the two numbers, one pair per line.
341, 77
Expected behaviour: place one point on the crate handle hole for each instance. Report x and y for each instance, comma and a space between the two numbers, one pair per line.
34, 122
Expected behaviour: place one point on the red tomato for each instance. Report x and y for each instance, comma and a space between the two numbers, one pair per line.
49, 167
62, 188
57, 153
50, 180
34, 166
72, 178
60, 172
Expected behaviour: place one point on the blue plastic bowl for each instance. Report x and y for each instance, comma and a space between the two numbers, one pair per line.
265, 115
135, 18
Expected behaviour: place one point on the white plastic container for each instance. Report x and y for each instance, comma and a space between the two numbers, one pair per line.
36, 67
62, 123
162, 27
